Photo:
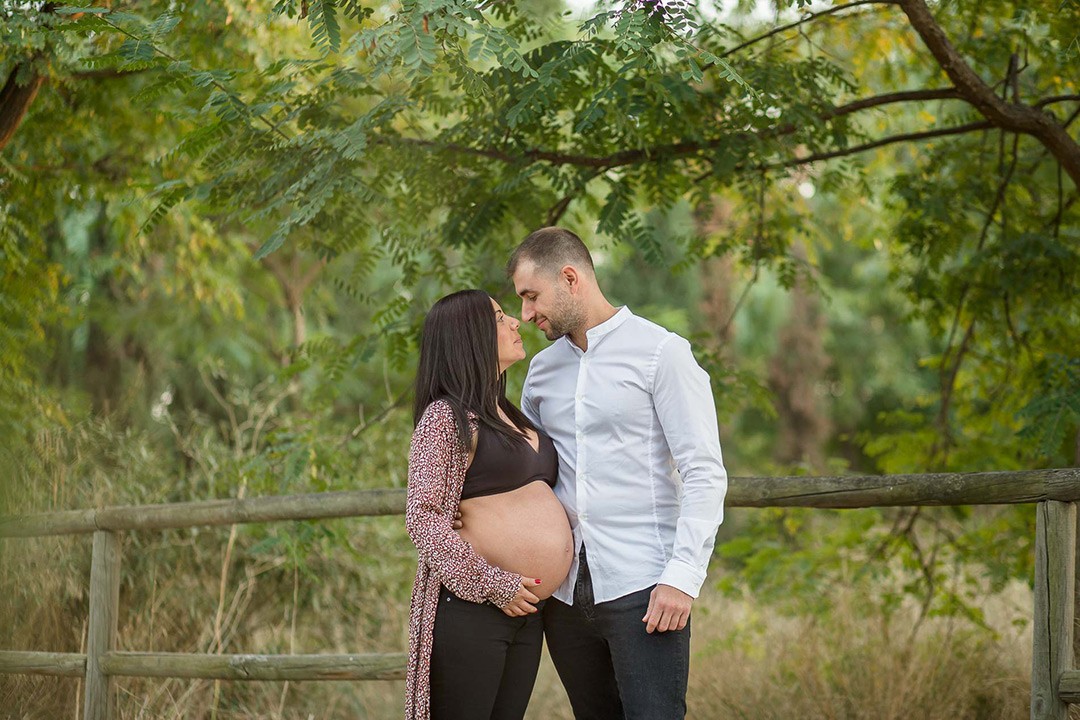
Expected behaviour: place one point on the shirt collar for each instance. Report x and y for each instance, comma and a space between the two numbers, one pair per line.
596, 334
622, 315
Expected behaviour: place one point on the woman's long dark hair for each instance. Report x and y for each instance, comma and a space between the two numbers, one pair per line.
459, 363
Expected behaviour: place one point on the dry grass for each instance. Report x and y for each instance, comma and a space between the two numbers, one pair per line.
849, 666
748, 663
325, 601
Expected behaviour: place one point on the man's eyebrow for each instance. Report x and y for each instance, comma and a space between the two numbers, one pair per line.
525, 291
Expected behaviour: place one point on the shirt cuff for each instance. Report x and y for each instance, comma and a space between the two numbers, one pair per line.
683, 577
504, 587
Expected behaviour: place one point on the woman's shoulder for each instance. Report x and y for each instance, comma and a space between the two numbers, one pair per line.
438, 408
440, 413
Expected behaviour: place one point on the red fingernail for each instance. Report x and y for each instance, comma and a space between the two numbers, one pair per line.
537, 581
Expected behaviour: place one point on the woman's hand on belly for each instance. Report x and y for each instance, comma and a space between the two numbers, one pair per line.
524, 603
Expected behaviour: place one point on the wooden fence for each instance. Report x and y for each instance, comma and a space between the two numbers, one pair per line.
1055, 681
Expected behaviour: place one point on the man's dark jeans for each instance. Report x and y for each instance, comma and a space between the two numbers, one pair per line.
611, 668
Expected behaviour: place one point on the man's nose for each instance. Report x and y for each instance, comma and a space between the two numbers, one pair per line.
527, 313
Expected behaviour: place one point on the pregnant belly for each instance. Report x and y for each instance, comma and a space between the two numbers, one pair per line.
524, 531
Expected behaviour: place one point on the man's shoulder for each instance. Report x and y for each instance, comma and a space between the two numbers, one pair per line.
647, 333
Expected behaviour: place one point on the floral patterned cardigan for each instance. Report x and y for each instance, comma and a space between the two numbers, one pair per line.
437, 464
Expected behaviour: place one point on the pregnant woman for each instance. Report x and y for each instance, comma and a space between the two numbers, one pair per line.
474, 630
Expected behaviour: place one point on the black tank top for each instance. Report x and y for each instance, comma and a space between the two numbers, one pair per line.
497, 469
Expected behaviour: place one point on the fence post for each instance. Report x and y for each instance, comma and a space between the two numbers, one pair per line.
1076, 589
1052, 632
101, 635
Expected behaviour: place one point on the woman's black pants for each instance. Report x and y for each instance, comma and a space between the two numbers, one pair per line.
483, 662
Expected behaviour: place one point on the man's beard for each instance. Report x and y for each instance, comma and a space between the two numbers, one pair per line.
567, 318
555, 331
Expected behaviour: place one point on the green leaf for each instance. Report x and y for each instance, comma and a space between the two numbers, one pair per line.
325, 29
74, 10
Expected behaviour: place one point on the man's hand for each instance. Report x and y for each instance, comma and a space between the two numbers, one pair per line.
669, 609
456, 522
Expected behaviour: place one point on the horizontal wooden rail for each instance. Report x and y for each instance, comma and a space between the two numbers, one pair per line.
857, 491
43, 663
1069, 686
863, 491
354, 503
389, 666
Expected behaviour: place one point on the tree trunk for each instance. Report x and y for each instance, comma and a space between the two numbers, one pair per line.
717, 276
103, 358
15, 100
796, 373
294, 282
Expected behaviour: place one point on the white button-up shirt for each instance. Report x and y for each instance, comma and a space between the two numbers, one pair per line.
640, 470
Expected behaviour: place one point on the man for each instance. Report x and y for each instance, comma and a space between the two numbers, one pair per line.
627, 406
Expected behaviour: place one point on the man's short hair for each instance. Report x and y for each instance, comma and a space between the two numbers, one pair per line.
551, 249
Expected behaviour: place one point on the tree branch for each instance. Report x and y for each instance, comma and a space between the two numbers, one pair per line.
557, 210
1056, 99
900, 96
949, 93
365, 424
801, 21
107, 73
906, 137
1008, 116
293, 286
948, 385
676, 150
685, 149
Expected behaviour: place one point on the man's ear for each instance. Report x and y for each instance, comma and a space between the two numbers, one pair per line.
571, 277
